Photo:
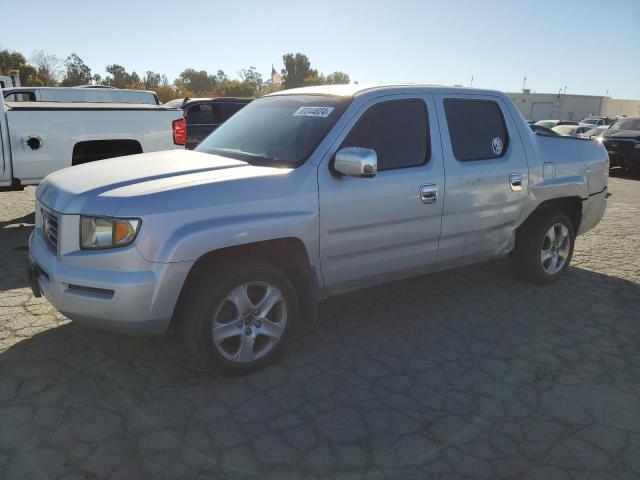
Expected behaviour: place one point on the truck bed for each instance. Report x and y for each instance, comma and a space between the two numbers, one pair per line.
21, 106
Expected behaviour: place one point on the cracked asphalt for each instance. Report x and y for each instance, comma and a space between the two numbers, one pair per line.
461, 374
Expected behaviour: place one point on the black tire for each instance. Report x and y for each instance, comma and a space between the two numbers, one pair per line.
210, 288
527, 260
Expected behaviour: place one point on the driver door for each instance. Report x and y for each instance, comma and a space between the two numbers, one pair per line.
381, 228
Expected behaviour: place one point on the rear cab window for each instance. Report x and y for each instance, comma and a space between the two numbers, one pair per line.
204, 114
397, 130
477, 129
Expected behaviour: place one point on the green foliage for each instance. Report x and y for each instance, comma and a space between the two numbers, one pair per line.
337, 78
45, 69
48, 67
78, 73
195, 83
253, 78
10, 61
119, 78
297, 70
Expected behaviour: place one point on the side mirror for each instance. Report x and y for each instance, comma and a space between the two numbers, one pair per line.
356, 162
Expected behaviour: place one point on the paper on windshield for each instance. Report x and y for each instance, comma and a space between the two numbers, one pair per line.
322, 112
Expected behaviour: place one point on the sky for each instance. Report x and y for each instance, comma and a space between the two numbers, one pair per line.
588, 46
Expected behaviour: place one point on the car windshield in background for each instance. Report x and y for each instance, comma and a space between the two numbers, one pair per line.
547, 123
564, 129
279, 130
626, 124
590, 121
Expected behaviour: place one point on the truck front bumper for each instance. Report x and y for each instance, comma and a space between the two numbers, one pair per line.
138, 302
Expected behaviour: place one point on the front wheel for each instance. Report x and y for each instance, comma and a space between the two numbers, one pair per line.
544, 247
239, 318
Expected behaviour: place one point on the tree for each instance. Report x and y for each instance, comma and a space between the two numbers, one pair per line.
48, 67
192, 82
337, 78
166, 93
297, 69
153, 80
221, 77
10, 61
78, 73
119, 77
235, 88
253, 78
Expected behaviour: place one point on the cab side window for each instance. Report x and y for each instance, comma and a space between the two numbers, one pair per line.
397, 130
476, 128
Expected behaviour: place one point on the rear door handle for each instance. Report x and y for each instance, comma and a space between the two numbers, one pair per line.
429, 193
515, 181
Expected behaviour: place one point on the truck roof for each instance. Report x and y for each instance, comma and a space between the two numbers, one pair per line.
354, 89
83, 106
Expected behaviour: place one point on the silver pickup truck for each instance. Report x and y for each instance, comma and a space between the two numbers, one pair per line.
304, 194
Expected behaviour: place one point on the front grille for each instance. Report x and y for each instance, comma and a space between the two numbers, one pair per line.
50, 227
620, 147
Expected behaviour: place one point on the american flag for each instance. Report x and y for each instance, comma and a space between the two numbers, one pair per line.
276, 78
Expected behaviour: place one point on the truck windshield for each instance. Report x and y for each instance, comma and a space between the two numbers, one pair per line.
626, 124
281, 130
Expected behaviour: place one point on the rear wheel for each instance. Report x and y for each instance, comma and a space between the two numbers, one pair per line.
239, 318
544, 247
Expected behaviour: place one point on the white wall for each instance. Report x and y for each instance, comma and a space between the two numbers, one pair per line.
556, 106
616, 106
571, 107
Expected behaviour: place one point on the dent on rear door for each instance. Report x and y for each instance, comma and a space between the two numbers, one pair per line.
482, 206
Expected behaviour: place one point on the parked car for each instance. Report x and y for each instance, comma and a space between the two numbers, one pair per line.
37, 138
571, 130
204, 115
554, 123
596, 121
622, 141
593, 132
541, 129
79, 94
304, 194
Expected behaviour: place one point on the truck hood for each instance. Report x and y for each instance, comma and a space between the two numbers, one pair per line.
621, 134
101, 187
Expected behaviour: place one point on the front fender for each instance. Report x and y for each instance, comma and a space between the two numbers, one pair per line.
192, 240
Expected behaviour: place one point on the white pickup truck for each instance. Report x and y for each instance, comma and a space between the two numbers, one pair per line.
37, 138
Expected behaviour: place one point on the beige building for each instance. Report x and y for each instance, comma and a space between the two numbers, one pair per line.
539, 106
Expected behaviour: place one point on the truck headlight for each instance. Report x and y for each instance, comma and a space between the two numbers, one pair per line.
107, 232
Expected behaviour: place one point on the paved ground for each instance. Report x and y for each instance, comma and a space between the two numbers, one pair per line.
463, 374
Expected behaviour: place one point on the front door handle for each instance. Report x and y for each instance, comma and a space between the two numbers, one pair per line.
515, 181
429, 193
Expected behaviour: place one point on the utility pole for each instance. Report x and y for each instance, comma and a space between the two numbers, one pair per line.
471, 83
524, 82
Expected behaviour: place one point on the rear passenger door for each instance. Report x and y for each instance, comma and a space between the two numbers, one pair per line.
380, 228
486, 177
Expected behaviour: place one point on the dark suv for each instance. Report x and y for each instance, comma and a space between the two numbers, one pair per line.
204, 115
622, 141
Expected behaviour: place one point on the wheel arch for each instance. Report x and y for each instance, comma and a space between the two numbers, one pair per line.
287, 253
570, 206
